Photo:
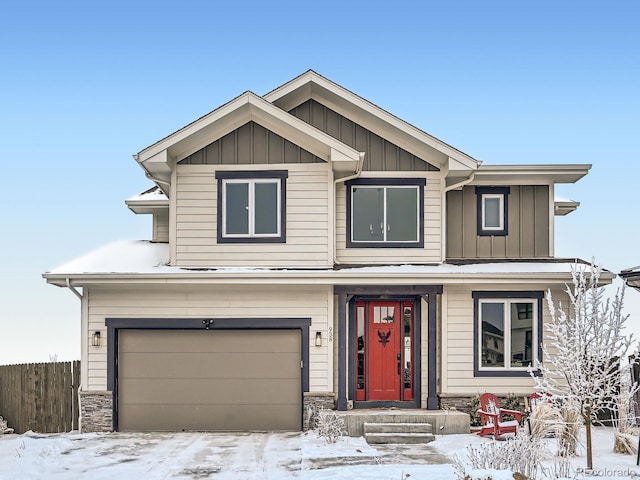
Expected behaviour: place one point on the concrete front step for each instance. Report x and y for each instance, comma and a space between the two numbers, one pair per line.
398, 438
398, 433
383, 427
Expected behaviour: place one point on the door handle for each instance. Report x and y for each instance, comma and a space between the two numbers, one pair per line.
398, 368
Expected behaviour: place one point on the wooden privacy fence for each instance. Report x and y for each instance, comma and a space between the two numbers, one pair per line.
42, 397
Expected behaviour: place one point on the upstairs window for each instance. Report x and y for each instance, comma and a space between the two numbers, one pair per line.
385, 213
507, 332
251, 206
492, 210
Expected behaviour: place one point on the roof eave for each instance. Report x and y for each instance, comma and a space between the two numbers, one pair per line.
529, 174
311, 85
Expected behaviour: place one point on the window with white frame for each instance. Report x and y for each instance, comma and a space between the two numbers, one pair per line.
385, 212
507, 330
492, 210
251, 206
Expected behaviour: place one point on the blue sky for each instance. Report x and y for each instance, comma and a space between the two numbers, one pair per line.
84, 85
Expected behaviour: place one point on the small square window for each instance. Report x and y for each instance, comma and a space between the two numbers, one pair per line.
251, 206
385, 213
492, 210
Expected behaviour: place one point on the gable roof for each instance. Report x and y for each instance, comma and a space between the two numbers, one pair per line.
159, 159
311, 85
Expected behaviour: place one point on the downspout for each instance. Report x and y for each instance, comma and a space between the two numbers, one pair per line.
73, 289
443, 202
333, 193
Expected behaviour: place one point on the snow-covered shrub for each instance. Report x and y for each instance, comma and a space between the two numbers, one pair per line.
626, 429
545, 420
330, 426
571, 423
560, 469
520, 455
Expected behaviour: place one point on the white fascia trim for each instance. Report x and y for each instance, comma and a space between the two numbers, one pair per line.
311, 85
236, 113
529, 174
319, 277
147, 207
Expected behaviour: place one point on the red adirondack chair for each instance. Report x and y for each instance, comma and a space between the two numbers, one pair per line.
491, 417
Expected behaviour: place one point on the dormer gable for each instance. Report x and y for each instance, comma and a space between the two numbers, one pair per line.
313, 86
159, 159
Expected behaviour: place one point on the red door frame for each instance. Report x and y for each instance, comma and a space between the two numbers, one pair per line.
383, 372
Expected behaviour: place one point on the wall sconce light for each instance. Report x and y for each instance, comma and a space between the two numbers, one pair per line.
95, 339
318, 339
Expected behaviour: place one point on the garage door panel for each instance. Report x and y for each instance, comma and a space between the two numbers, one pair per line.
209, 418
173, 380
220, 340
221, 391
209, 365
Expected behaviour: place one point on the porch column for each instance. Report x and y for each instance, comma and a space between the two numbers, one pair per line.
432, 337
342, 351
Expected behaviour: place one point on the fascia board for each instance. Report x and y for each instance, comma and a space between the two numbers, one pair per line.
317, 277
147, 206
529, 174
562, 207
236, 113
365, 113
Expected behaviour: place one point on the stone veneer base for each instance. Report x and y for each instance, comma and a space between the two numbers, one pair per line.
96, 411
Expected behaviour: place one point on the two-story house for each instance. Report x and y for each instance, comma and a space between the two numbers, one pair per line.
310, 247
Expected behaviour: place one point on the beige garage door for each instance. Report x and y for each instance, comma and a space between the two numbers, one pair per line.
211, 380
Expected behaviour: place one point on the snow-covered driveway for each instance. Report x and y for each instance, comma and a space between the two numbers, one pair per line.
209, 455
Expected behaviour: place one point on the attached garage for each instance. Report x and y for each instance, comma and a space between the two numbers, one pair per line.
217, 379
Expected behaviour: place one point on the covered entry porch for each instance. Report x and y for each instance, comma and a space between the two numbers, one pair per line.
387, 346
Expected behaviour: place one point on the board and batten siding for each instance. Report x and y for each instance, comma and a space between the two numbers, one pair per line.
432, 251
307, 220
381, 154
457, 342
528, 225
216, 301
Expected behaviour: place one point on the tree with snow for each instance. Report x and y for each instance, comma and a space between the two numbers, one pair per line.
582, 348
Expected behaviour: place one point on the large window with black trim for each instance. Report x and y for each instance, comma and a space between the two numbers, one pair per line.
251, 206
385, 212
507, 332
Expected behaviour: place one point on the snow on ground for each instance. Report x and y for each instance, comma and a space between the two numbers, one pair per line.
256, 456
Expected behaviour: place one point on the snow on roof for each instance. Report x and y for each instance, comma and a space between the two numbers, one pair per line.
154, 193
145, 257
125, 256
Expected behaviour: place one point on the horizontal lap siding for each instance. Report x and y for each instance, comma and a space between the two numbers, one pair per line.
217, 301
307, 222
432, 251
457, 345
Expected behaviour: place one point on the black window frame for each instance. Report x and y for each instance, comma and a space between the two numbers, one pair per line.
386, 182
534, 296
480, 193
281, 176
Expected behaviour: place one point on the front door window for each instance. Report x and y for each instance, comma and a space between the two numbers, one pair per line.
384, 350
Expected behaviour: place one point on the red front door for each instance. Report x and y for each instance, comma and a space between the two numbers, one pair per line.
384, 350
385, 357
